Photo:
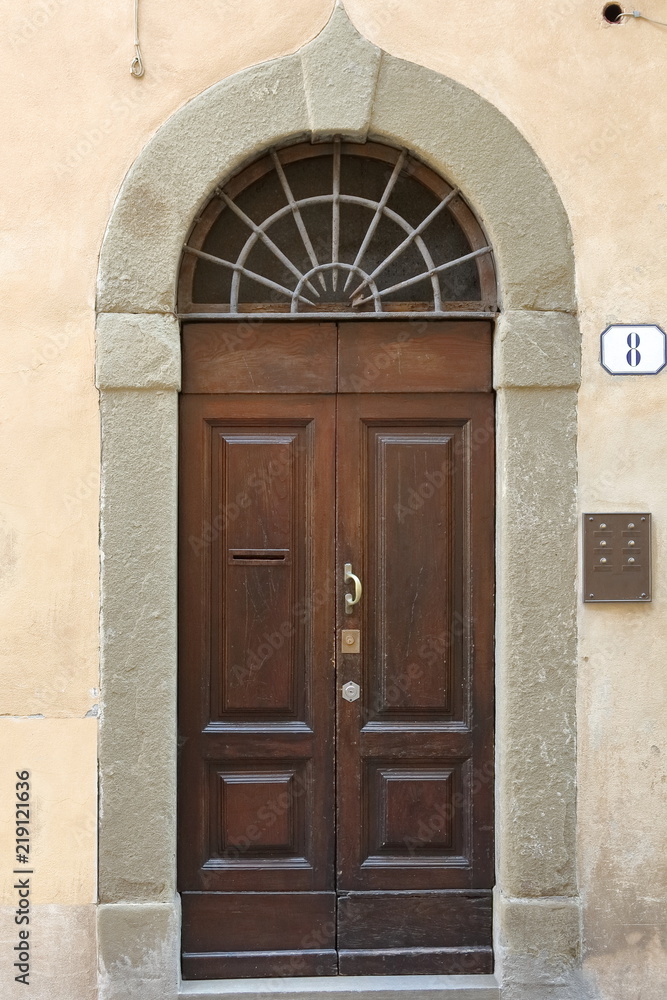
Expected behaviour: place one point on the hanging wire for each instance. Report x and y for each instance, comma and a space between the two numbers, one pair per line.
636, 13
137, 67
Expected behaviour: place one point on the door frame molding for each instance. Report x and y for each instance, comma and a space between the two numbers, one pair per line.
315, 94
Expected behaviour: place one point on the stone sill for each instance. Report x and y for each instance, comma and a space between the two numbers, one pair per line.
345, 988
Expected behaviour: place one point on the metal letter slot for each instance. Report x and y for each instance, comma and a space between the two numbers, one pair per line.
350, 691
617, 558
350, 601
349, 640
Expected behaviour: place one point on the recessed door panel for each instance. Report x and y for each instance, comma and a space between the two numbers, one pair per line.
260, 811
413, 518
258, 664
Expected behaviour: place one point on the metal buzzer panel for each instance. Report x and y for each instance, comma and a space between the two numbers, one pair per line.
617, 557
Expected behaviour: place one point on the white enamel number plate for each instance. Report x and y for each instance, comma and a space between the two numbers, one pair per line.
633, 350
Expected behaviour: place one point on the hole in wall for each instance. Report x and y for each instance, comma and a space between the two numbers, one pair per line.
612, 12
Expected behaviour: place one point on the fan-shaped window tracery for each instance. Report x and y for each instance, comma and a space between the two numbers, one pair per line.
339, 229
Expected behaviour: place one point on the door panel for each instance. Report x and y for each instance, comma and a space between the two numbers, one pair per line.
259, 357
412, 530
229, 935
258, 572
257, 490
414, 752
446, 356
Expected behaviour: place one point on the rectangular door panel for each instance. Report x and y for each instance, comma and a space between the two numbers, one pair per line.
256, 689
259, 357
412, 529
412, 817
229, 935
427, 919
399, 933
258, 642
259, 811
414, 356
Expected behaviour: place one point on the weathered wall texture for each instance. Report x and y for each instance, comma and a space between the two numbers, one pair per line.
590, 99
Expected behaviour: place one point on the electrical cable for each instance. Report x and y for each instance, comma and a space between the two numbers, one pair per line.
137, 67
636, 13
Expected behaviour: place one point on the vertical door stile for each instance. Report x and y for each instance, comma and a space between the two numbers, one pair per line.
348, 665
338, 597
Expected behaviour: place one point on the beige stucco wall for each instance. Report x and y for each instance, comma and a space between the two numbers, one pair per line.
589, 98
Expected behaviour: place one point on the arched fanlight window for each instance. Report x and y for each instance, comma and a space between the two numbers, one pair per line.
336, 230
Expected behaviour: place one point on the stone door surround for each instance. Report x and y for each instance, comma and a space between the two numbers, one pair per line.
340, 84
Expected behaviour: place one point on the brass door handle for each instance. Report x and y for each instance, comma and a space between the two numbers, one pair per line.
350, 601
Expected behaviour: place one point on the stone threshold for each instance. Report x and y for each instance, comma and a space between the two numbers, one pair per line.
345, 988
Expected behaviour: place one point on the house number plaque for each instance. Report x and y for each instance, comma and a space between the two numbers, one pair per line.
617, 557
633, 350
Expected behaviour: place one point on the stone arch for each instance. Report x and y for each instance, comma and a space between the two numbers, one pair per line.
340, 84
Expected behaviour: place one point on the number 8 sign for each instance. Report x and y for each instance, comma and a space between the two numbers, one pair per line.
633, 350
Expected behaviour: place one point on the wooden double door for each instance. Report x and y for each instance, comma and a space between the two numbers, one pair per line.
336, 644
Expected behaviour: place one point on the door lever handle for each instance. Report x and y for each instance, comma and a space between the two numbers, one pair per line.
350, 601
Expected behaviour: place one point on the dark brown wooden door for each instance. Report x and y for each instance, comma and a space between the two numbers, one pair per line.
305, 448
